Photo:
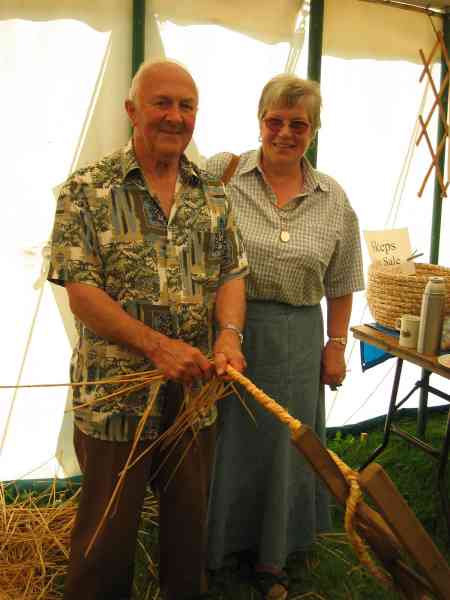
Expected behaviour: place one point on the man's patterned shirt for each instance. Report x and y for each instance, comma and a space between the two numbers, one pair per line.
110, 232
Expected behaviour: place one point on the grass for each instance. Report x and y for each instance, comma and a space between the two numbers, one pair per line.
331, 571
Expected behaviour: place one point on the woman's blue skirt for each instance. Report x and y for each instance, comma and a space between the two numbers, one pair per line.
264, 495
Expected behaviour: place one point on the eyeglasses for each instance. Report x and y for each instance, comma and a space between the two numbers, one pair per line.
276, 125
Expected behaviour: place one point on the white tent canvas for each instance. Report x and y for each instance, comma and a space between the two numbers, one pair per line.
68, 69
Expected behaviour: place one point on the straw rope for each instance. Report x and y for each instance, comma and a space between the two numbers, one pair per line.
355, 495
195, 406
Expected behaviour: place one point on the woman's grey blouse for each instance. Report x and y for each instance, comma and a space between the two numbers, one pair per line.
308, 249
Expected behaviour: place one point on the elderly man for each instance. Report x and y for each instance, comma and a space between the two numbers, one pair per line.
147, 249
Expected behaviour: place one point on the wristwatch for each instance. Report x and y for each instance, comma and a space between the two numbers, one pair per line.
236, 330
338, 340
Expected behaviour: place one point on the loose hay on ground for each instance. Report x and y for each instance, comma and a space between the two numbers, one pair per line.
35, 542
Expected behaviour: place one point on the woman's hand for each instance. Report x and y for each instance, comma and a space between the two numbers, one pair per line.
333, 364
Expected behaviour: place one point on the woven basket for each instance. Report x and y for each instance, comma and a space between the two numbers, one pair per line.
390, 295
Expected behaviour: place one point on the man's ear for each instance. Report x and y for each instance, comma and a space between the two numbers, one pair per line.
131, 110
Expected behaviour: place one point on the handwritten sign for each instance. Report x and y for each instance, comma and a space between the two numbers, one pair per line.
389, 249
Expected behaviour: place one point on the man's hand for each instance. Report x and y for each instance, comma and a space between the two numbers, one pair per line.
227, 351
333, 364
180, 361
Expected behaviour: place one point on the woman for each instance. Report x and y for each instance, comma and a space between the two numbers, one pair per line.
302, 241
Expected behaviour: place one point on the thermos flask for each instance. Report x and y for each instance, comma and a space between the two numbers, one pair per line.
431, 315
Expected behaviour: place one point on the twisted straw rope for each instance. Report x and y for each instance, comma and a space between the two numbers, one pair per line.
355, 496
205, 400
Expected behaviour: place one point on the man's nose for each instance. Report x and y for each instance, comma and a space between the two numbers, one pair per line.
173, 113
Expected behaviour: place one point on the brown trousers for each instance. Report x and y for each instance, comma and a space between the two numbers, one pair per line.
107, 572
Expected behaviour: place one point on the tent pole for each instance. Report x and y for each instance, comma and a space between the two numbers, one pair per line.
138, 48
316, 12
436, 219
437, 201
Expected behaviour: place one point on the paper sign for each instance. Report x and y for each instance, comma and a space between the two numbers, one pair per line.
389, 248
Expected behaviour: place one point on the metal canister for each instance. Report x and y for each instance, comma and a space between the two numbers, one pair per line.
431, 315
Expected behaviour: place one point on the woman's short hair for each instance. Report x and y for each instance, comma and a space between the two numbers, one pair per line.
287, 90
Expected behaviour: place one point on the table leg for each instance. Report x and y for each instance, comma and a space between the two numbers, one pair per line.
422, 411
442, 479
390, 414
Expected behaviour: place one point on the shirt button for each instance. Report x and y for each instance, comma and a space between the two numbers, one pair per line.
284, 236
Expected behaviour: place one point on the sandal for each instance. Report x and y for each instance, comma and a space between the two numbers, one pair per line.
271, 586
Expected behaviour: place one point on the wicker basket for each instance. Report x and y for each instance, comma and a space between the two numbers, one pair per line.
390, 295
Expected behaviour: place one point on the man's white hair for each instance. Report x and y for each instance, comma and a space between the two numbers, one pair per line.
146, 65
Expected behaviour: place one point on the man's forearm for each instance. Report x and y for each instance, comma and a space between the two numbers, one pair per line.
230, 303
230, 310
107, 319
